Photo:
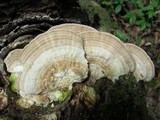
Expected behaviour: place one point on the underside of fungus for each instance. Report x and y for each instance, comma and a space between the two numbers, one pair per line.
45, 69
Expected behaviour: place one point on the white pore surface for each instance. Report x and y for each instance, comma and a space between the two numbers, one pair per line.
31, 77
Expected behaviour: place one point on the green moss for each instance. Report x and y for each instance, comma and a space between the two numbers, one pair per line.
91, 93
124, 100
59, 95
13, 77
64, 95
96, 14
13, 88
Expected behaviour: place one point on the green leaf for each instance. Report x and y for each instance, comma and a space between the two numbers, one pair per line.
138, 41
154, 3
140, 4
139, 13
121, 1
149, 7
151, 14
121, 35
153, 84
143, 26
148, 24
115, 2
139, 22
132, 19
118, 8
142, 23
129, 14
106, 3
132, 1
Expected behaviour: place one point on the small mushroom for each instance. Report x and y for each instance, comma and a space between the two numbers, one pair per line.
145, 69
13, 59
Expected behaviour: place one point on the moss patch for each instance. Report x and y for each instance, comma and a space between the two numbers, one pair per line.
98, 17
13, 77
124, 100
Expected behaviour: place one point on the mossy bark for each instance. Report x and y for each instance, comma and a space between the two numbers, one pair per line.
96, 15
123, 100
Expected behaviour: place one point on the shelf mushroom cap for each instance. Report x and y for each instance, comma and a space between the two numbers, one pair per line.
107, 55
145, 69
51, 62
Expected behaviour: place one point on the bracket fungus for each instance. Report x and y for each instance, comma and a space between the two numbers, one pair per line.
107, 56
144, 65
47, 67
